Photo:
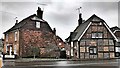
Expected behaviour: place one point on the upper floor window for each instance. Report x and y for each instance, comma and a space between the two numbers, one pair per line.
37, 24
111, 42
6, 37
97, 35
15, 36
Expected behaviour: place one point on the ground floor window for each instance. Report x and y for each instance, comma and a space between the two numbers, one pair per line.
112, 55
106, 55
82, 55
100, 55
93, 50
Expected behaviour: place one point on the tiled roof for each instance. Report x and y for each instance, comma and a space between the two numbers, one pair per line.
80, 29
19, 25
75, 35
115, 28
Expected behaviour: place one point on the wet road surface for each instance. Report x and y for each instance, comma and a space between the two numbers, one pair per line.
60, 64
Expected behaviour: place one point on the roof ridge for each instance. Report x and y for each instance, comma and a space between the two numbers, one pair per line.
18, 24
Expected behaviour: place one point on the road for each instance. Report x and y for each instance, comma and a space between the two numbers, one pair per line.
60, 64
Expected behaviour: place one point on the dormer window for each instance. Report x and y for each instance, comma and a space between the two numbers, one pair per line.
37, 24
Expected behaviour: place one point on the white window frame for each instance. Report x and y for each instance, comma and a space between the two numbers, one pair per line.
71, 44
93, 50
15, 36
37, 24
111, 42
6, 48
97, 35
6, 37
71, 51
60, 43
15, 52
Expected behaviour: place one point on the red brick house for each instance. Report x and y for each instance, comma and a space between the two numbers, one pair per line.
32, 36
92, 39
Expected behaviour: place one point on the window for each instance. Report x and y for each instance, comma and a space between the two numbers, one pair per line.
100, 42
71, 52
97, 35
93, 50
82, 49
106, 55
111, 42
88, 42
93, 23
87, 49
6, 37
42, 51
111, 48
82, 55
105, 35
105, 42
14, 49
93, 43
37, 24
60, 43
82, 42
88, 35
100, 28
106, 49
87, 55
100, 23
15, 36
111, 55
94, 28
6, 48
100, 55
100, 48
71, 44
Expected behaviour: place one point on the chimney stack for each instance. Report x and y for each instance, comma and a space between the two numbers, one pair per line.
39, 13
16, 20
80, 19
80, 16
54, 30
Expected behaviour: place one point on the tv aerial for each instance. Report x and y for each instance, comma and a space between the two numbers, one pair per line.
79, 9
41, 4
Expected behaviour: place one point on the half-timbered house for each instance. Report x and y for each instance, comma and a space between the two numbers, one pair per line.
92, 39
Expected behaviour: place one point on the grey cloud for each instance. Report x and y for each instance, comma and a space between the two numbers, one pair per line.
62, 15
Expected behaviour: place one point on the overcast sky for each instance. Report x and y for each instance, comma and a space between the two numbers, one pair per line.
60, 14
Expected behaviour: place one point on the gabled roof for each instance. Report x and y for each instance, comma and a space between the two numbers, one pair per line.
22, 23
82, 28
19, 25
114, 29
